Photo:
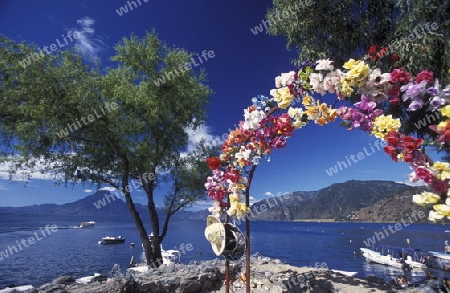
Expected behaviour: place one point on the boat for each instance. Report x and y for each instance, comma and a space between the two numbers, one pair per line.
169, 257
442, 260
84, 225
18, 289
377, 257
112, 240
345, 273
398, 257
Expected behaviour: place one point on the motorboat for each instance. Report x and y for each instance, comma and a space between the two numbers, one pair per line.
169, 257
442, 260
84, 225
377, 257
396, 256
112, 240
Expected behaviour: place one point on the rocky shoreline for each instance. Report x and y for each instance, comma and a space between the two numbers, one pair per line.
267, 275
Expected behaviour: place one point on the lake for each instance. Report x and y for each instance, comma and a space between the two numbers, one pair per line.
76, 252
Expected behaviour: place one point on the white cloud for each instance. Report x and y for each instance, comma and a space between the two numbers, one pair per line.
268, 193
88, 190
418, 183
109, 188
88, 43
25, 173
199, 134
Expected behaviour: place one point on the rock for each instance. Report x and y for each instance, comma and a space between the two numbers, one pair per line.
64, 280
267, 275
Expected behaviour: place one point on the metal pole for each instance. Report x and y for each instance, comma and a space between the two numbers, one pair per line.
247, 250
247, 232
227, 276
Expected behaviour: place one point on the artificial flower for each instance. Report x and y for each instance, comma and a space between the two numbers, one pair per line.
324, 64
426, 198
214, 163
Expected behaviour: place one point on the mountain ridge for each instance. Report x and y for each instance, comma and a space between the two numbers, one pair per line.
353, 200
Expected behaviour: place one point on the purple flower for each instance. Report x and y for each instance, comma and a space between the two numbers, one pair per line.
415, 105
413, 91
436, 102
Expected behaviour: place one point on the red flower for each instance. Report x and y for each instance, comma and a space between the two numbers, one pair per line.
372, 50
398, 75
391, 151
395, 58
425, 75
214, 163
373, 53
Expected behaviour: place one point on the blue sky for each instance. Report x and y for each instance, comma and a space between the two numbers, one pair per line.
244, 66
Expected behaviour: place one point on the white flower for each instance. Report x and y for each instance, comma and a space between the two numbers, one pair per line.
315, 79
324, 64
277, 82
252, 119
243, 153
434, 216
331, 81
285, 79
377, 86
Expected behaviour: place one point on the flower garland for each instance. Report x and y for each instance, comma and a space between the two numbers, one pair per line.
268, 122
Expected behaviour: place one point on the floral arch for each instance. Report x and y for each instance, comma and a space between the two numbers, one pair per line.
270, 121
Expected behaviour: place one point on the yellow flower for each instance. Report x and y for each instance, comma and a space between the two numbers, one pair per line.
442, 170
345, 90
296, 114
238, 209
349, 64
283, 97
446, 111
441, 125
307, 100
442, 209
426, 198
383, 124
358, 72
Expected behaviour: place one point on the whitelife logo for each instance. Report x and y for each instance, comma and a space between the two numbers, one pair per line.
36, 56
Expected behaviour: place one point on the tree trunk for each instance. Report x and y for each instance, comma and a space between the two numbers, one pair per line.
146, 245
154, 219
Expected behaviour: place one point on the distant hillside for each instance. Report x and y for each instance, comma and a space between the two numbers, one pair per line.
352, 200
339, 201
101, 204
393, 208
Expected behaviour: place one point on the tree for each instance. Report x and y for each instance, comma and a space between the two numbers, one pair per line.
347, 29
110, 126
412, 35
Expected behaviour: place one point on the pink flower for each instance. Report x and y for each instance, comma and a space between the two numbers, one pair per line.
425, 174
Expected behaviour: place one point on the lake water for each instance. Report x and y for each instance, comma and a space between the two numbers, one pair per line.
76, 252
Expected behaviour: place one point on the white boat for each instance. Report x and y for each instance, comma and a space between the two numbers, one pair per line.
24, 288
84, 225
442, 259
396, 257
376, 257
441, 255
345, 273
169, 257
112, 240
